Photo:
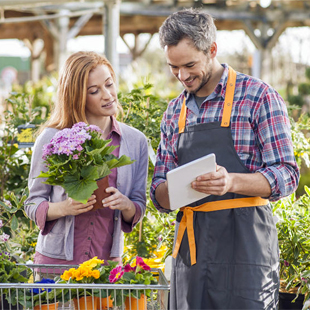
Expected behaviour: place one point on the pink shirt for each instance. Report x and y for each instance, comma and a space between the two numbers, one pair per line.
93, 230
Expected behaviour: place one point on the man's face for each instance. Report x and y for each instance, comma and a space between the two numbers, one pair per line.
191, 67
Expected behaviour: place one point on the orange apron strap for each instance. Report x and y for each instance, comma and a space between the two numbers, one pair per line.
229, 97
188, 222
182, 117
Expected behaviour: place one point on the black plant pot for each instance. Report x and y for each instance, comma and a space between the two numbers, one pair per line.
285, 301
4, 305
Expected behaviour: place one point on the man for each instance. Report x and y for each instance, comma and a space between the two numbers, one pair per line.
230, 260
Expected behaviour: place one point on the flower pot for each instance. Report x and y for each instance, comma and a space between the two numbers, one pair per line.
100, 192
85, 303
132, 303
104, 303
50, 306
285, 301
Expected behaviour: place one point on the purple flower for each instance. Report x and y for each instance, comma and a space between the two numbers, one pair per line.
286, 263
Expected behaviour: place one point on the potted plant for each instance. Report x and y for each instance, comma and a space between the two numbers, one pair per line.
90, 271
77, 157
294, 244
138, 273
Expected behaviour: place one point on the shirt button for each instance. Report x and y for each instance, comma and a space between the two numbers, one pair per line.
116, 218
89, 238
91, 223
86, 253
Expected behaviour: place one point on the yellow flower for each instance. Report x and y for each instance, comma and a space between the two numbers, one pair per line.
68, 274
96, 274
92, 263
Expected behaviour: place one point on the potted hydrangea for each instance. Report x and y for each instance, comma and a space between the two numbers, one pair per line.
76, 158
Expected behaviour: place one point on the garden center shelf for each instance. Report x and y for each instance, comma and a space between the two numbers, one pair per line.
153, 296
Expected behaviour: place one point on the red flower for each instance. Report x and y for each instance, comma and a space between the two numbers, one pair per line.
116, 274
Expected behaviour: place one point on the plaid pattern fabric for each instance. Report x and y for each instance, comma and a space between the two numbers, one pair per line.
260, 130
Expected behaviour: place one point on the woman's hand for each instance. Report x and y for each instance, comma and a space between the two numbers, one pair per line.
121, 202
69, 207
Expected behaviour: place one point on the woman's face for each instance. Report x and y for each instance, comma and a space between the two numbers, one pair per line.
101, 99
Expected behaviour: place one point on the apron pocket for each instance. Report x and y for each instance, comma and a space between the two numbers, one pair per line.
254, 283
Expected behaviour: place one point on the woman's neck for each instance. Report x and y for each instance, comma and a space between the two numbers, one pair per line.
105, 124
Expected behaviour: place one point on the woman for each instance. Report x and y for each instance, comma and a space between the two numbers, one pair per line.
70, 232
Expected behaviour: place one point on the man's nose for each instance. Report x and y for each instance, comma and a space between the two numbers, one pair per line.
183, 74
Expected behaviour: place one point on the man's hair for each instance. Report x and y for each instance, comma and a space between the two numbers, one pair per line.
192, 24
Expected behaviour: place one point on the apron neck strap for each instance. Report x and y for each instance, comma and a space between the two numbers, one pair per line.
229, 97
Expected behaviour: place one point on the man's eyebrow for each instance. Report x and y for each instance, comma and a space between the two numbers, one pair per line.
189, 63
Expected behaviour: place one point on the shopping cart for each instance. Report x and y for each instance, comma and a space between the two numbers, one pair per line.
97, 294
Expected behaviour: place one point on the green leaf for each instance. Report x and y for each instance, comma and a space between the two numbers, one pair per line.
14, 223
122, 161
80, 189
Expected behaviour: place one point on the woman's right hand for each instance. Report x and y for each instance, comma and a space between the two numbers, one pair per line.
69, 207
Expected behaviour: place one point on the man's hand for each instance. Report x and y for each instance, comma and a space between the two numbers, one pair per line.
213, 183
221, 182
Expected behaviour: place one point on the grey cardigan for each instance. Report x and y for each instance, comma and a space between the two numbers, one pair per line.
131, 181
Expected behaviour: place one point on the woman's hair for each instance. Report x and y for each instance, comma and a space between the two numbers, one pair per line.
193, 24
72, 89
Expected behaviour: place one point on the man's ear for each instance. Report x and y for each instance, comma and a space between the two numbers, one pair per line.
213, 50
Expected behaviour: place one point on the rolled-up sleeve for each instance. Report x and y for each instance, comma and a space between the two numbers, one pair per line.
274, 139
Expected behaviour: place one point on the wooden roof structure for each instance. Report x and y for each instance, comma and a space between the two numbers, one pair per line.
56, 21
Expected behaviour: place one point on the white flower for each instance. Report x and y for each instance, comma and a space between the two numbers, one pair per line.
4, 237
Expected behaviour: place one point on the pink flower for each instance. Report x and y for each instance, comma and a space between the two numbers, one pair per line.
286, 263
116, 274
4, 237
75, 156
1, 223
128, 268
142, 264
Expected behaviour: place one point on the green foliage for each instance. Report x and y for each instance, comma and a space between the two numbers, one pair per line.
14, 166
10, 272
304, 88
301, 142
143, 109
296, 100
294, 241
308, 73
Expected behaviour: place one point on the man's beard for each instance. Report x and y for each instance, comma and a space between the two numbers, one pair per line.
205, 80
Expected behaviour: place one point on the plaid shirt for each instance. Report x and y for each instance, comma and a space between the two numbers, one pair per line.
260, 130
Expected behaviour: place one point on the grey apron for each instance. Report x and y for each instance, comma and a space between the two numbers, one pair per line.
237, 249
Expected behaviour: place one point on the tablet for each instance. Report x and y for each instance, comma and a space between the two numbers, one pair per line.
179, 181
